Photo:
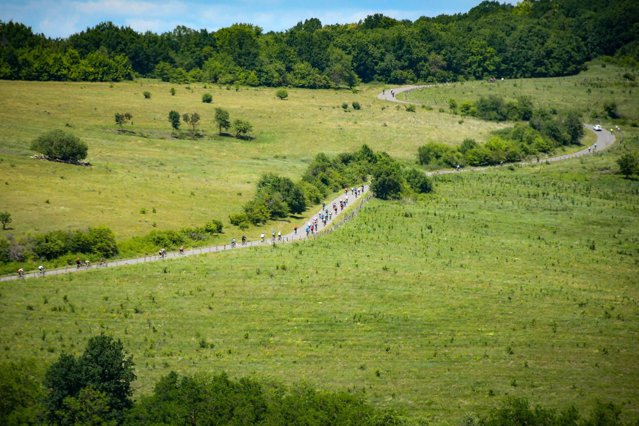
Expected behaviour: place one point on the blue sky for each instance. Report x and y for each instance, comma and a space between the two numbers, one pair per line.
60, 18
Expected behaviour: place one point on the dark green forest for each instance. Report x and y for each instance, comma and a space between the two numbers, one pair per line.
535, 38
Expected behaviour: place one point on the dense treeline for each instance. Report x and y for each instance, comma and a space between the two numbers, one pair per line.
95, 388
535, 38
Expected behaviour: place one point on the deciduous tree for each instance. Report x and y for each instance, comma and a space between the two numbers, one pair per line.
222, 119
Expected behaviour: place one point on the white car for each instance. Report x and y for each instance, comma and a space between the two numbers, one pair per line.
597, 127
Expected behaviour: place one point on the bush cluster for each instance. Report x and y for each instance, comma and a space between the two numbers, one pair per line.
217, 399
545, 131
171, 239
96, 242
628, 164
60, 145
518, 411
278, 197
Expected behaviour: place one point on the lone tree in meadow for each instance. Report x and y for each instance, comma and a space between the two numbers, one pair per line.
207, 98
174, 119
192, 120
5, 219
222, 119
62, 146
122, 118
242, 128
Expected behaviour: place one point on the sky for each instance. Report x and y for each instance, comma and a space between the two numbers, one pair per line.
61, 18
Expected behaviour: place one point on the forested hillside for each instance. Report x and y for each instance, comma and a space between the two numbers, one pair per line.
535, 38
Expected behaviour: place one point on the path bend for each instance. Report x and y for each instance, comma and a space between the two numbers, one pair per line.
605, 138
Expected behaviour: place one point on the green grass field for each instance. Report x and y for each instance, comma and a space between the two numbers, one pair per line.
519, 283
187, 182
586, 92
502, 283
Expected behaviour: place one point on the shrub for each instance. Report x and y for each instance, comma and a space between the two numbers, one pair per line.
492, 108
467, 145
214, 227
467, 108
21, 392
410, 108
344, 106
418, 181
282, 93
99, 241
432, 153
207, 98
290, 193
122, 118
102, 241
174, 119
5, 250
147, 94
5, 219
239, 219
628, 164
219, 400
172, 91
256, 211
166, 239
59, 145
356, 105
610, 108
242, 128
193, 120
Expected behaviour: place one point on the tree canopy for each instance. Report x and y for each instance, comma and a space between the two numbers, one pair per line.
535, 38
101, 377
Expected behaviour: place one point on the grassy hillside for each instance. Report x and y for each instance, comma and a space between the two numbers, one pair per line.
510, 282
187, 182
586, 92
507, 282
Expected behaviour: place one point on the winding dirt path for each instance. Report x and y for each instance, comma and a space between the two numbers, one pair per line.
604, 140
350, 198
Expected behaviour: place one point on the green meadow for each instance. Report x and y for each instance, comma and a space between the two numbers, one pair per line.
518, 281
586, 92
504, 283
186, 181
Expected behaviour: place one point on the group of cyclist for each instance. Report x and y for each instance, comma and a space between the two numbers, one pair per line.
324, 216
